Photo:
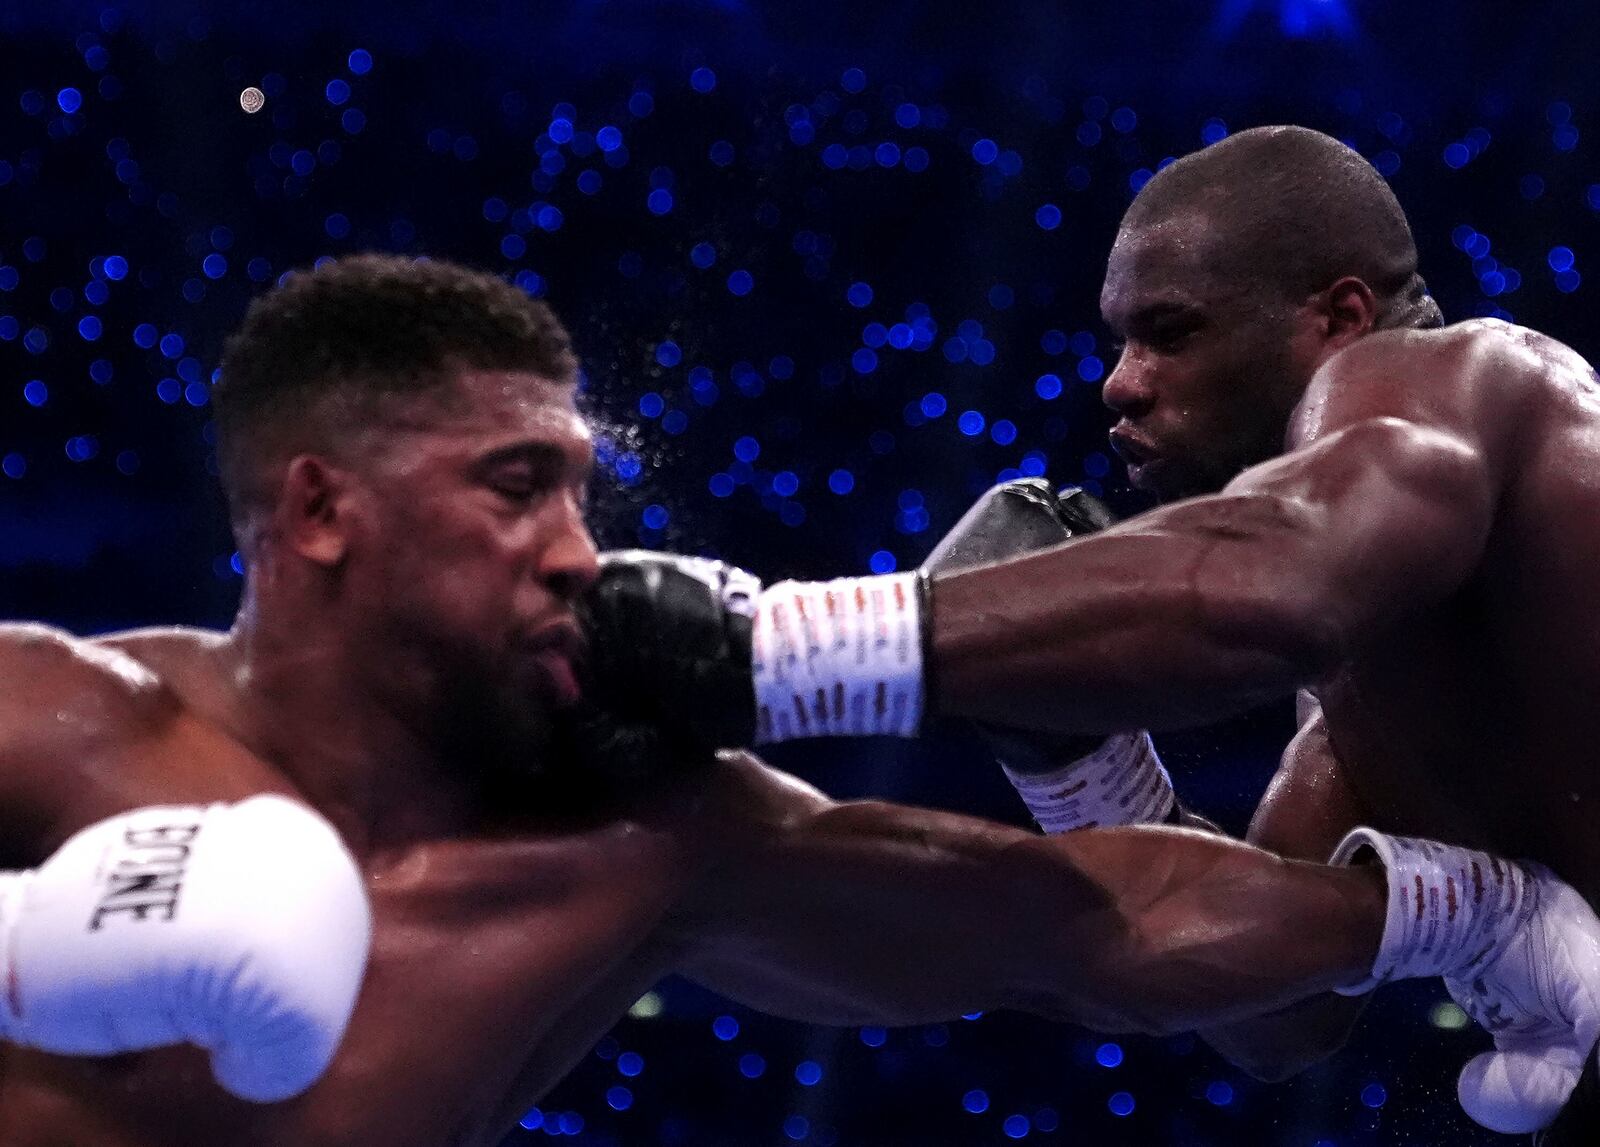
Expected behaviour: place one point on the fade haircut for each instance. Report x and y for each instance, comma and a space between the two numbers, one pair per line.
327, 352
1292, 211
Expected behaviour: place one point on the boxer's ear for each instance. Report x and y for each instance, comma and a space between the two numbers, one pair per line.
1348, 310
315, 509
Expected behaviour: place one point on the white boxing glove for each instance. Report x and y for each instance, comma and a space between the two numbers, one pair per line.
1519, 951
241, 928
1541, 1001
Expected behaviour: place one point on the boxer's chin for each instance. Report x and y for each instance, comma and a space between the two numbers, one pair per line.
1169, 479
504, 728
1162, 477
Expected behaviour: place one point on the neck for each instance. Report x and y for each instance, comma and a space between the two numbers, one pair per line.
342, 726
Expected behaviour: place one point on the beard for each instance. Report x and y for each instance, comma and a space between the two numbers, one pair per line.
492, 722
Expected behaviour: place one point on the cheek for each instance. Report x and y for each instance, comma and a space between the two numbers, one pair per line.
451, 564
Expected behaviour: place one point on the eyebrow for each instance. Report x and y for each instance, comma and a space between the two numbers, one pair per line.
541, 454
1151, 313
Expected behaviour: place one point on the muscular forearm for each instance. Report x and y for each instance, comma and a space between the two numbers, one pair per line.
1183, 615
876, 913
1209, 605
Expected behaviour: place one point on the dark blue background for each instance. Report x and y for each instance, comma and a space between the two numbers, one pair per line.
920, 197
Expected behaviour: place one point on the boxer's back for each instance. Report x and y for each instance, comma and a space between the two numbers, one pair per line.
1475, 722
497, 960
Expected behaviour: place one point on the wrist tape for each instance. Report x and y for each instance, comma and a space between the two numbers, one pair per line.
1122, 782
838, 658
1450, 909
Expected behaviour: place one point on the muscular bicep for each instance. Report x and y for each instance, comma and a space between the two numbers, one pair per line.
1372, 522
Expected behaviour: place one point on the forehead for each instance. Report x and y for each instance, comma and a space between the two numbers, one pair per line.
1171, 261
482, 409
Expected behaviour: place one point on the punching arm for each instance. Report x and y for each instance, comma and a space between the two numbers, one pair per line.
876, 913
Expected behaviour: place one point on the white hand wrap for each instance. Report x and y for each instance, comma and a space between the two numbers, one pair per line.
838, 658
1451, 910
1121, 782
241, 928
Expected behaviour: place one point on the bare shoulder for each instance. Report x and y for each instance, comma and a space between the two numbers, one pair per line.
172, 652
40, 661
1479, 353
68, 710
61, 688
1476, 382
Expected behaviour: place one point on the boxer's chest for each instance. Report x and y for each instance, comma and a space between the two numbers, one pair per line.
1473, 726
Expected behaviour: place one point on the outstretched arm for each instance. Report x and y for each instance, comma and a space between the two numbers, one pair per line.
876, 913
1380, 507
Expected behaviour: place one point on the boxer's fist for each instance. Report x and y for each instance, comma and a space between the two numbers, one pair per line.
669, 645
1067, 782
1008, 521
1541, 1001
241, 928
1016, 518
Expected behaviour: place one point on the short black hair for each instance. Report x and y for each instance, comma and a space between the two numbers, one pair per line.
319, 353
1294, 210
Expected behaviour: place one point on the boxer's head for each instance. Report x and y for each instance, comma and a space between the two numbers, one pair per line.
406, 469
1236, 271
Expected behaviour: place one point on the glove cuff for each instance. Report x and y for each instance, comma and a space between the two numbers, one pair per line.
839, 658
1450, 909
1122, 782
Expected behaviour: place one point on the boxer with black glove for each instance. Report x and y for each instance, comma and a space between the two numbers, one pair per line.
685, 643
1068, 782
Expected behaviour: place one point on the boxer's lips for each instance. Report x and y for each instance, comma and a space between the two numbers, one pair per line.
1141, 456
1133, 448
556, 650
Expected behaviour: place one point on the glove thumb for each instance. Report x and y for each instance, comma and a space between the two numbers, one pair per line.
1518, 1092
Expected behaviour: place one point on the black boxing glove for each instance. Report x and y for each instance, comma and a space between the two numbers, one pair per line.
702, 646
1067, 782
669, 648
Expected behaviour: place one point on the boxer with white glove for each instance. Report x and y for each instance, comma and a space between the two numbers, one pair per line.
241, 928
1520, 953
